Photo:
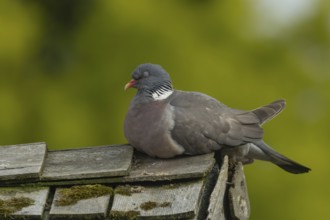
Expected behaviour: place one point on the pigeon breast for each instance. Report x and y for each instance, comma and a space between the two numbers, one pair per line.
147, 127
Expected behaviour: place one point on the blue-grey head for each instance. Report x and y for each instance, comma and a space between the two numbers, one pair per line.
151, 80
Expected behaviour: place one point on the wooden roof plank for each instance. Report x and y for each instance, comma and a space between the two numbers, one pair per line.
88, 208
23, 161
24, 202
82, 163
216, 206
146, 168
172, 201
238, 195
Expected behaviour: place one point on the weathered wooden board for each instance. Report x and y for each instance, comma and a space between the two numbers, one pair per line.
146, 168
91, 208
95, 162
24, 202
238, 195
173, 201
24, 161
216, 206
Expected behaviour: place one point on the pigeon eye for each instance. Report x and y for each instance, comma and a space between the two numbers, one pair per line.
145, 73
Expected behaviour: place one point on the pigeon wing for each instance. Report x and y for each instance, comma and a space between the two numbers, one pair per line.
203, 124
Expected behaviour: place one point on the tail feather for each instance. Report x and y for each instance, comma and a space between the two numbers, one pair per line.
267, 112
282, 161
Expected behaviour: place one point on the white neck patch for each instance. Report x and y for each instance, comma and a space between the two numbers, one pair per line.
161, 94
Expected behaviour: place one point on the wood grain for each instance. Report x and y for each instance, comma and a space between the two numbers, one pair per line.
94, 162
23, 161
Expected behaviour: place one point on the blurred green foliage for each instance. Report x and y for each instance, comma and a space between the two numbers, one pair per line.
63, 65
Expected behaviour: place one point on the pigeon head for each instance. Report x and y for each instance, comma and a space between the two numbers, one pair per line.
151, 80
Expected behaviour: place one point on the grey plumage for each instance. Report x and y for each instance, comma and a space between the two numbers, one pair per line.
164, 122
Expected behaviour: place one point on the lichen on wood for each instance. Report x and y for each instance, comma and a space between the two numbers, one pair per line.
121, 215
15, 204
70, 196
151, 205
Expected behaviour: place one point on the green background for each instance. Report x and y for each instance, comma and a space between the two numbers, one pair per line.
64, 64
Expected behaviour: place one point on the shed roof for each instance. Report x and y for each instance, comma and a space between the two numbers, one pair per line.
114, 182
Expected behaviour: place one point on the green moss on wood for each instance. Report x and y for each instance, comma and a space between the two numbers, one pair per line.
127, 190
165, 204
12, 205
151, 205
121, 215
123, 190
70, 196
148, 205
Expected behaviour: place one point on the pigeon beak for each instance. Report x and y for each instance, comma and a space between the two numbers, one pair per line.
130, 84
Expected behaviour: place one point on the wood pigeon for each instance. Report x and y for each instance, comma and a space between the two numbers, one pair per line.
164, 122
